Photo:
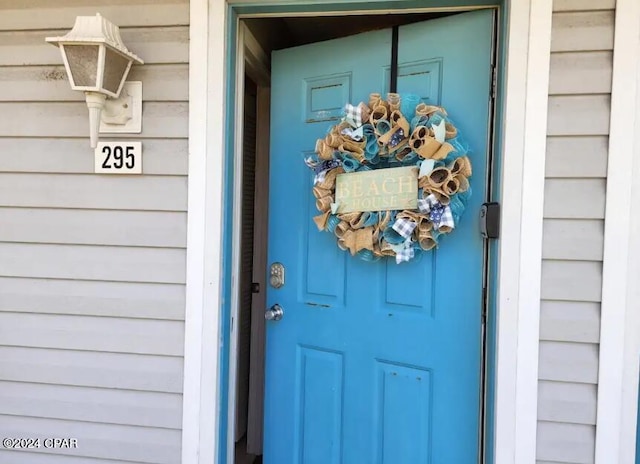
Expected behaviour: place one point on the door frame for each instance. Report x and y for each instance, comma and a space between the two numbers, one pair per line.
521, 120
251, 60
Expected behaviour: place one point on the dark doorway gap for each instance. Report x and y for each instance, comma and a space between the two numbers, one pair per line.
278, 33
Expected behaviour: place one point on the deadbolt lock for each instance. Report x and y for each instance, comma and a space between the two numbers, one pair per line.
276, 275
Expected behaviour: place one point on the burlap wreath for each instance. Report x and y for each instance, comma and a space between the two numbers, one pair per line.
393, 132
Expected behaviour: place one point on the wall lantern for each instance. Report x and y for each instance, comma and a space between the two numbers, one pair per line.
97, 62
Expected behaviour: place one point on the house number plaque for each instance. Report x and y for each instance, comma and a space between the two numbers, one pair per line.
118, 158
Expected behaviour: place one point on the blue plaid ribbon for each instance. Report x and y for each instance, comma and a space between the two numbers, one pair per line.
354, 134
439, 214
404, 227
353, 115
446, 219
404, 255
425, 204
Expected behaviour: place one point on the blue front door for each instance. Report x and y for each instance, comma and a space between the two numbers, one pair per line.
375, 362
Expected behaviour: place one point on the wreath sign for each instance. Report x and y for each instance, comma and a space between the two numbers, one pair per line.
399, 131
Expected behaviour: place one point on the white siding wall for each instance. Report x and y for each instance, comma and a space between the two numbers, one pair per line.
576, 162
92, 268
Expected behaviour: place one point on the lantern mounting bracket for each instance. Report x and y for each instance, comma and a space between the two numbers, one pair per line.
123, 115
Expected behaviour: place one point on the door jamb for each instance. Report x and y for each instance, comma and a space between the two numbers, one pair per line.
235, 241
251, 59
518, 280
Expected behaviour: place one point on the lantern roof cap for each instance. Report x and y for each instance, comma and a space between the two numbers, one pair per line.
95, 29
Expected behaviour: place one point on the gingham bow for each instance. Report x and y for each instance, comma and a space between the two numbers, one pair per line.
406, 254
353, 115
404, 251
404, 227
439, 214
425, 204
354, 134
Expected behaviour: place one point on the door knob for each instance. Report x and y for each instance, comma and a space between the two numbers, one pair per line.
274, 313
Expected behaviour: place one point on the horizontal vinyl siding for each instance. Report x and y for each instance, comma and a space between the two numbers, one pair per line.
565, 443
569, 239
93, 267
568, 362
577, 157
569, 402
40, 14
125, 407
570, 321
118, 442
593, 67
574, 198
571, 280
45, 458
92, 297
166, 157
577, 5
88, 333
160, 120
88, 191
82, 368
578, 115
94, 227
162, 83
83, 262
574, 207
155, 45
582, 30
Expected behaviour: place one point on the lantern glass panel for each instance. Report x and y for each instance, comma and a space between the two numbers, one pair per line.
83, 63
115, 67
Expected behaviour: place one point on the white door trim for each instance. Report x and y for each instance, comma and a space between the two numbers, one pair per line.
620, 310
204, 233
520, 260
236, 240
519, 266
